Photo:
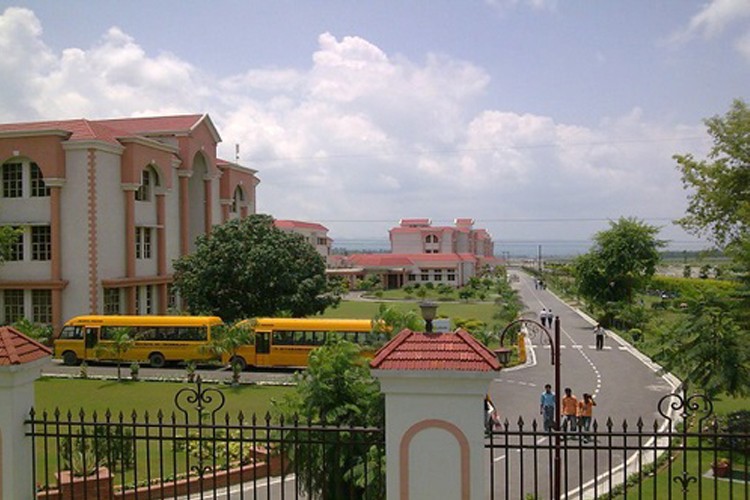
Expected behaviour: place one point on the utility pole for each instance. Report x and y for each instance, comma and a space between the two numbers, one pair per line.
539, 259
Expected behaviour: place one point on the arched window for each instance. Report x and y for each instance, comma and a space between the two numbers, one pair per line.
149, 179
431, 244
38, 187
237, 199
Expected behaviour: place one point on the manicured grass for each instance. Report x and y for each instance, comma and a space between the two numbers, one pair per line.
482, 311
102, 395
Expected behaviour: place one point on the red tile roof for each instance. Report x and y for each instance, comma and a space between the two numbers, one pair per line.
435, 351
16, 348
109, 130
290, 224
404, 259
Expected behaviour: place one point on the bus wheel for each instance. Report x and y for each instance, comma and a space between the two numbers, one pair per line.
69, 358
239, 360
156, 360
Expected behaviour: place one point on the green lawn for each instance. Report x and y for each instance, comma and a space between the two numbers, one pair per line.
126, 396
482, 311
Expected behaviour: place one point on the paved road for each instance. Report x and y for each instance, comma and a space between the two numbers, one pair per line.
623, 385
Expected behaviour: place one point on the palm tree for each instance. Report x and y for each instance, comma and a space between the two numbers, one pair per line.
228, 339
118, 343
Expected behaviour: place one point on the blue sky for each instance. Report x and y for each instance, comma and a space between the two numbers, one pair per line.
540, 119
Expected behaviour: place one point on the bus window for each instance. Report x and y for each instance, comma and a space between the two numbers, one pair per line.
91, 334
72, 333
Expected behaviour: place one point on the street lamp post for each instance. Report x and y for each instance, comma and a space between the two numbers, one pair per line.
429, 311
534, 327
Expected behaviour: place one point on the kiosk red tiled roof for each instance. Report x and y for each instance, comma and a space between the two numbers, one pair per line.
457, 351
16, 348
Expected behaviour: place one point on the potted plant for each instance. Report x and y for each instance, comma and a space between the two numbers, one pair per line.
134, 369
721, 468
190, 370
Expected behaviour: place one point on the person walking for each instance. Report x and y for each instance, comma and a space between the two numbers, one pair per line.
543, 317
599, 334
550, 318
585, 411
547, 408
491, 418
569, 410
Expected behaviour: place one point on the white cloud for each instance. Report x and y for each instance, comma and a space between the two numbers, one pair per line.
534, 4
361, 134
714, 18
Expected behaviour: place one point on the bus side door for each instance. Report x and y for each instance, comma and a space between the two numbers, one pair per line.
262, 349
91, 338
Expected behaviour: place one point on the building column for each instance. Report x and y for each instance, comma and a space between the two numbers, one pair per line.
16, 399
130, 271
161, 252
429, 414
184, 176
55, 186
208, 207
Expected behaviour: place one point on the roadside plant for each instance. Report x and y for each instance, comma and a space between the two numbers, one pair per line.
119, 341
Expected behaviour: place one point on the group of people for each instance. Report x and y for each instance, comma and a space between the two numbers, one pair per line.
576, 414
539, 284
546, 318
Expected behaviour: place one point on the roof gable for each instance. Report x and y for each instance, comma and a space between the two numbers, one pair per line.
417, 351
16, 348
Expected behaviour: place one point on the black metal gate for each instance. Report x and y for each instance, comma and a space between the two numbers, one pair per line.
194, 453
688, 454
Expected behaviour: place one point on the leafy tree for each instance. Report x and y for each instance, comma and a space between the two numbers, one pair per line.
707, 348
390, 320
622, 261
336, 388
227, 339
719, 202
719, 205
41, 333
8, 236
248, 267
117, 345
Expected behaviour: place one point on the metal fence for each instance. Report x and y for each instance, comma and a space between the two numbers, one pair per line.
199, 452
688, 453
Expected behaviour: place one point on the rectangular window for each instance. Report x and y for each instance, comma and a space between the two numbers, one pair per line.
41, 243
149, 299
138, 300
12, 180
412, 277
451, 275
13, 305
38, 187
144, 190
438, 275
15, 252
322, 241
111, 301
171, 298
41, 306
143, 243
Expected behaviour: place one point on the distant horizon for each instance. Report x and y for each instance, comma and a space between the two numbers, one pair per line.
517, 248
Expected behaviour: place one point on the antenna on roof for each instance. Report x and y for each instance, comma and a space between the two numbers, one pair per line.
236, 153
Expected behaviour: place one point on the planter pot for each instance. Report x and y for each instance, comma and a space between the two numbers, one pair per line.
721, 469
97, 485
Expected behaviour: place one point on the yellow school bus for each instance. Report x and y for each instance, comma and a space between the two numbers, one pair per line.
157, 339
287, 342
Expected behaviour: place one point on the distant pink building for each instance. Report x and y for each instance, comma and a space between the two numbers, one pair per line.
422, 253
314, 233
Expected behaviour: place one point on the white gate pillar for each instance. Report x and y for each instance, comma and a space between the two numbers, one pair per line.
434, 386
21, 359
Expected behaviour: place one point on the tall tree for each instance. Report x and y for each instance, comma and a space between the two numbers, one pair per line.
248, 267
622, 261
707, 348
719, 204
336, 388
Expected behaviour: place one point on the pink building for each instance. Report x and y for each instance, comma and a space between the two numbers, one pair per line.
314, 233
105, 206
422, 253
